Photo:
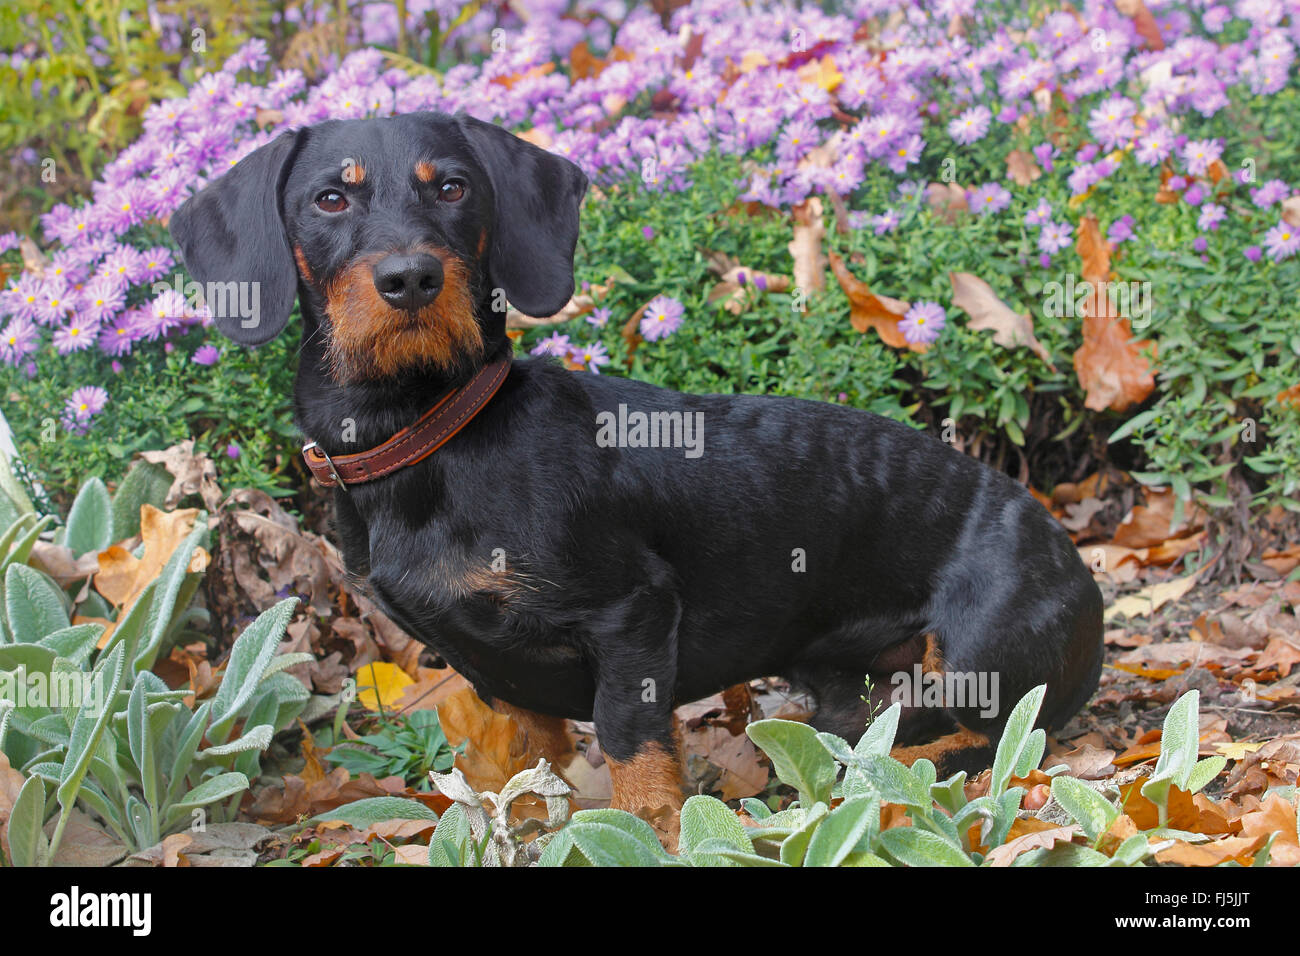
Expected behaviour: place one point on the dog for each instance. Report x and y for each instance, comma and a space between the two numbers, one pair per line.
510, 515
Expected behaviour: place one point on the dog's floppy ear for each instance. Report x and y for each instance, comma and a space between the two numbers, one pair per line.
231, 231
535, 220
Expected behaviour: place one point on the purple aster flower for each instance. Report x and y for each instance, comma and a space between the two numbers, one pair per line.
1282, 241
1112, 121
1200, 244
989, 198
1200, 153
54, 304
1087, 153
1046, 154
102, 298
86, 402
1120, 230
1040, 214
905, 153
887, 221
922, 323
1211, 215
599, 317
663, 316
555, 344
1273, 191
648, 232
25, 297
592, 355
74, 337
1083, 178
1055, 237
1154, 147
232, 450
206, 355
1252, 253
19, 338
971, 126
1194, 195
118, 337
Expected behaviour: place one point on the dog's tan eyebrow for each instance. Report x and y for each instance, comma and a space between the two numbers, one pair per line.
425, 171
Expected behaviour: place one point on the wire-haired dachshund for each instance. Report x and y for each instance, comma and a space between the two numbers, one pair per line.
590, 547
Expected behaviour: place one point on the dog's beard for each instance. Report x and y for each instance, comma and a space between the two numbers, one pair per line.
369, 339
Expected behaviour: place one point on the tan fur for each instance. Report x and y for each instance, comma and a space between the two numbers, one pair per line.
650, 780
371, 339
932, 659
303, 268
425, 171
546, 735
934, 751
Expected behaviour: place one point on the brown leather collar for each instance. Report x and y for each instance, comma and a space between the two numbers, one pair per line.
452, 412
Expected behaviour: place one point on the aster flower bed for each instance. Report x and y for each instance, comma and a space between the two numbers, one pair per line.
1022, 147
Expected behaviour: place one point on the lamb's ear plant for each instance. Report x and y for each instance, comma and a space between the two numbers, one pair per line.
946, 828
1177, 765
92, 726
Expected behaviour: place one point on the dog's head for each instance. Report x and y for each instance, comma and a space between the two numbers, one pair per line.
398, 232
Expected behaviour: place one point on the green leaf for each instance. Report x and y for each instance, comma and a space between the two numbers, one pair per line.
840, 832
90, 521
896, 783
91, 720
1178, 747
798, 757
795, 846
1203, 772
913, 846
714, 851
28, 845
248, 661
76, 643
452, 835
34, 604
186, 748
364, 813
1093, 812
704, 817
604, 844
145, 483
174, 582
256, 740
1017, 738
633, 825
216, 788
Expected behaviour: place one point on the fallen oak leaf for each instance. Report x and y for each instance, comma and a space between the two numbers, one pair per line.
1110, 364
1011, 329
806, 246
870, 311
1035, 840
1022, 168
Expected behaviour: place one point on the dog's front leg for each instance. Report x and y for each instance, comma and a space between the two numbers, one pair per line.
636, 670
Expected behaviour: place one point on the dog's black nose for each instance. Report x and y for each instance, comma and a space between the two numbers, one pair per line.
409, 281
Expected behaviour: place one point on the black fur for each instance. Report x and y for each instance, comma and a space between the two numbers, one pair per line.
637, 578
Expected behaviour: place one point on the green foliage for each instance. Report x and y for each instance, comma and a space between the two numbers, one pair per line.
942, 819
93, 726
406, 745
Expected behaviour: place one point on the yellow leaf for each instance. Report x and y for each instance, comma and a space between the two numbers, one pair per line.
1237, 750
381, 683
1149, 599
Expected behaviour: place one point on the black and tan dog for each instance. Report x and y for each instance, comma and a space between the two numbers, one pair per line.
512, 517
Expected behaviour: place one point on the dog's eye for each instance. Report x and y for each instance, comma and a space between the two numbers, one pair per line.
453, 190
331, 201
